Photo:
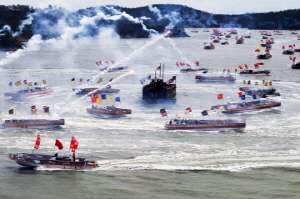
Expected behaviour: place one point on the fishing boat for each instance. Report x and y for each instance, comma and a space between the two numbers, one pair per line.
262, 92
33, 123
62, 161
108, 110
158, 89
51, 161
254, 72
188, 70
221, 78
204, 125
38, 90
84, 91
237, 107
108, 69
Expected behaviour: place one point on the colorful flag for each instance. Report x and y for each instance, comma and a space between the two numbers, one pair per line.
11, 111
220, 96
204, 113
174, 78
117, 99
246, 66
10, 84
158, 68
249, 82
94, 99
44, 81
241, 67
100, 80
243, 97
98, 100
37, 142
46, 109
73, 144
270, 83
103, 97
163, 112
240, 94
80, 80
25, 81
18, 83
188, 109
97, 63
254, 96
110, 97
256, 66
197, 63
59, 144
149, 77
33, 109
30, 84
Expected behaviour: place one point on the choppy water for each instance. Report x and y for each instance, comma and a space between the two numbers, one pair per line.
137, 157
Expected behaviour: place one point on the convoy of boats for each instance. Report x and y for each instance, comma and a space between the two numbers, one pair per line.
156, 89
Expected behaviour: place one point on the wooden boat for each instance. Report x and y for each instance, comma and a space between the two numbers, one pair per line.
108, 110
264, 92
237, 107
205, 125
226, 78
33, 123
51, 161
188, 70
255, 72
84, 91
108, 69
38, 90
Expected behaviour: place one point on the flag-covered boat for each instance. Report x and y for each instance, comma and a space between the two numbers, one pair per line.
262, 92
62, 161
221, 78
33, 123
205, 125
188, 70
84, 91
157, 89
237, 107
38, 90
108, 110
114, 69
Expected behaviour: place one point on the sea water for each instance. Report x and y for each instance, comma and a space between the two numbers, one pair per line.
137, 157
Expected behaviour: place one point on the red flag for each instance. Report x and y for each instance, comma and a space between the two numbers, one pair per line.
256, 66
240, 94
94, 99
37, 142
220, 96
228, 70
260, 63
59, 144
197, 63
257, 50
97, 63
100, 62
73, 144
270, 83
177, 64
241, 67
158, 68
283, 47
246, 66
188, 109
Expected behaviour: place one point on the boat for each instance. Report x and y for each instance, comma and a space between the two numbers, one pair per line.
33, 123
108, 110
84, 91
51, 161
296, 65
208, 47
225, 42
239, 40
237, 107
188, 70
255, 72
62, 161
264, 56
37, 90
288, 52
158, 89
262, 92
225, 78
205, 30
205, 125
108, 69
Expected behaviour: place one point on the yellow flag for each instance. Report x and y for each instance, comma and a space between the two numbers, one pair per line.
30, 84
81, 80
100, 80
98, 100
260, 47
256, 83
44, 81
110, 97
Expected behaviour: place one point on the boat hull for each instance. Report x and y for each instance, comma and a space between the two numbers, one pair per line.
215, 78
260, 92
25, 93
260, 72
252, 108
33, 124
34, 160
84, 91
207, 125
115, 111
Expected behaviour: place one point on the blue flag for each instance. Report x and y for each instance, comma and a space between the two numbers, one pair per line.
103, 96
243, 97
204, 113
254, 96
249, 93
149, 77
117, 99
249, 82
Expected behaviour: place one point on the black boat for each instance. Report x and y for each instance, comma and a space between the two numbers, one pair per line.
158, 89
255, 72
